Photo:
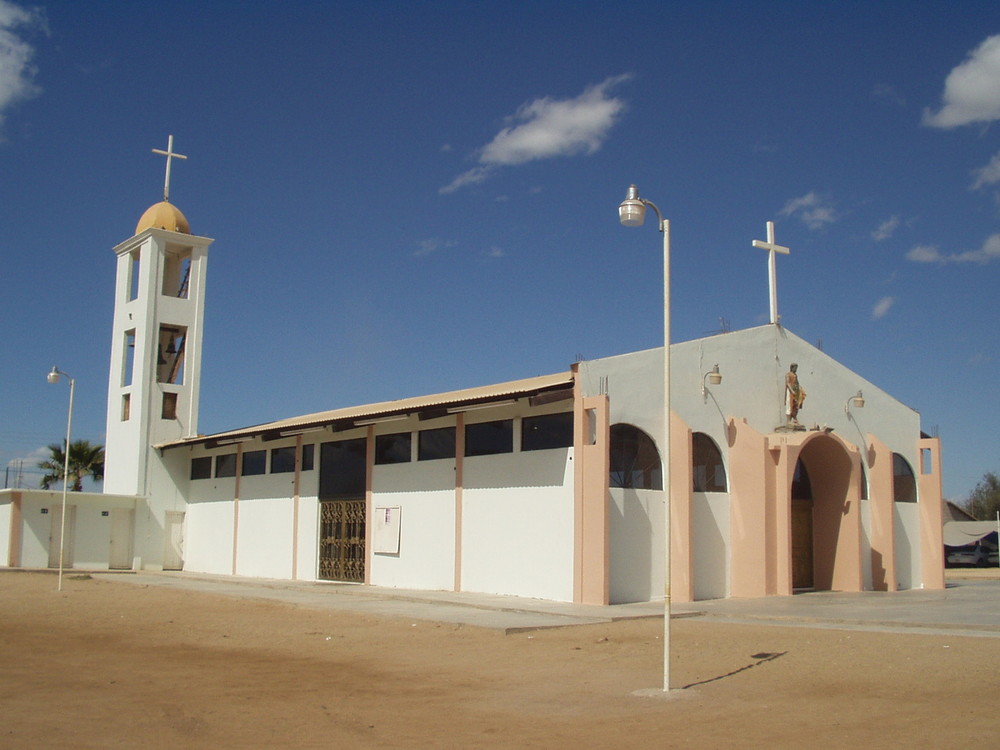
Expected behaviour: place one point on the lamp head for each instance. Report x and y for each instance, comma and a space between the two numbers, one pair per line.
632, 211
714, 376
858, 402
53, 377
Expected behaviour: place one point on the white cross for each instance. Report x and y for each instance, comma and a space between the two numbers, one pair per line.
772, 276
169, 153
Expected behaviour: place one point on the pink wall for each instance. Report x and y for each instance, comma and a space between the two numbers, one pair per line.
591, 440
883, 526
761, 469
929, 495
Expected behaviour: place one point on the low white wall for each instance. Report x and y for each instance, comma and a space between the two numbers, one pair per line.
88, 530
710, 544
264, 542
426, 557
637, 549
208, 537
517, 531
5, 511
307, 561
907, 521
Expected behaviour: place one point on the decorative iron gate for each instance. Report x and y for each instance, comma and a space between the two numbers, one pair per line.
342, 540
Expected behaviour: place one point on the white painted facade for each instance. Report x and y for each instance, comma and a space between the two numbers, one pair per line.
544, 523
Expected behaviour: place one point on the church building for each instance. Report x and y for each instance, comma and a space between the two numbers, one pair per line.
550, 487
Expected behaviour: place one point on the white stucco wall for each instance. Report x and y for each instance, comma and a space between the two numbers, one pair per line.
906, 517
710, 544
636, 521
264, 544
208, 536
5, 514
517, 529
424, 492
88, 530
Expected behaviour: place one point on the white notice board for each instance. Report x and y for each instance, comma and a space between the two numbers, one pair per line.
385, 534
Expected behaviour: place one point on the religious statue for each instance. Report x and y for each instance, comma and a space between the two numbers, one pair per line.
795, 394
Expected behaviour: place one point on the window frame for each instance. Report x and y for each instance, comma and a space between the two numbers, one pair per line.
559, 437
492, 438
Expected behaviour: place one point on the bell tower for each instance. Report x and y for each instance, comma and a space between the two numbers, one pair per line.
153, 383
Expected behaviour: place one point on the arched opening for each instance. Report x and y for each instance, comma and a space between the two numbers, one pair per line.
635, 512
708, 472
635, 462
825, 554
802, 528
904, 484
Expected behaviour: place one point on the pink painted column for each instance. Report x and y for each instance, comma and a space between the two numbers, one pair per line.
748, 469
929, 499
681, 553
883, 539
591, 539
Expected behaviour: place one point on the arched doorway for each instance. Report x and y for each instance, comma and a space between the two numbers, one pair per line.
802, 528
825, 527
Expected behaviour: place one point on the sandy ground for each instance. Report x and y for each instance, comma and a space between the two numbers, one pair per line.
107, 665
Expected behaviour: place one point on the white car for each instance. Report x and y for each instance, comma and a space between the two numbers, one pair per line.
977, 555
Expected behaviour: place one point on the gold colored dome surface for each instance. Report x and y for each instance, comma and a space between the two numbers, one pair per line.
163, 215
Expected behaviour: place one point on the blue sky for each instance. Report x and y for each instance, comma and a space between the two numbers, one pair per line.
410, 198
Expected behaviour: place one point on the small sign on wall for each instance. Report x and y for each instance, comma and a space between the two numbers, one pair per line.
385, 534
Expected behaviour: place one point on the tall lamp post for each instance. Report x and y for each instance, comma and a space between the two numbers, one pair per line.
632, 213
53, 377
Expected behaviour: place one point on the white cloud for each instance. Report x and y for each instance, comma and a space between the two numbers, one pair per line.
886, 229
990, 251
495, 252
988, 175
472, 177
16, 70
882, 307
814, 211
972, 90
546, 128
432, 245
924, 254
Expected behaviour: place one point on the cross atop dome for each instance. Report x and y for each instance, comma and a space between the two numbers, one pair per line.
170, 154
165, 215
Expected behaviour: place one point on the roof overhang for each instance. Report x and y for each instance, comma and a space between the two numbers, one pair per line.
542, 389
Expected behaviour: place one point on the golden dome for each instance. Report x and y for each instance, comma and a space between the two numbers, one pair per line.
163, 215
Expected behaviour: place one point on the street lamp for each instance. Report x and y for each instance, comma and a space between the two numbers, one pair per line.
53, 377
632, 213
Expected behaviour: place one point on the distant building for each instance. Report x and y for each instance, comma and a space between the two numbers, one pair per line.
549, 487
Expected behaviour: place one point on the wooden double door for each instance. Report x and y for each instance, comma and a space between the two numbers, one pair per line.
802, 544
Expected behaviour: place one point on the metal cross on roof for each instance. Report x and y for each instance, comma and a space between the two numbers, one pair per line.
169, 153
772, 248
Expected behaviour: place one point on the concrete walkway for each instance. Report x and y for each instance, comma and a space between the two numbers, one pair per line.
967, 607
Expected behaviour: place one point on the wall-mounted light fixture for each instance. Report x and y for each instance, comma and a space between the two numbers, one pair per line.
857, 401
712, 377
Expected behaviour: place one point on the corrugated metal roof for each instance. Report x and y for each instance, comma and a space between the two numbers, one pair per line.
528, 386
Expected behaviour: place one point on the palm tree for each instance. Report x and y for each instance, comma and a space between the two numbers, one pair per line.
84, 460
